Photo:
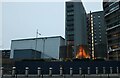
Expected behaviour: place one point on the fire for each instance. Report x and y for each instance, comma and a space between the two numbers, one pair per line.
81, 53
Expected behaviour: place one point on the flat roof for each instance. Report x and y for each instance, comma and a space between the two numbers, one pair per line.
39, 38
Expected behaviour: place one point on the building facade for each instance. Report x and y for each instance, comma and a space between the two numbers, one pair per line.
5, 61
48, 46
76, 26
66, 52
97, 34
112, 19
23, 54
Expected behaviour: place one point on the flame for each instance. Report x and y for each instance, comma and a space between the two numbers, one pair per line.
81, 53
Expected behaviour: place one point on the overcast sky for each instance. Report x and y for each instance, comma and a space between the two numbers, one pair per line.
22, 19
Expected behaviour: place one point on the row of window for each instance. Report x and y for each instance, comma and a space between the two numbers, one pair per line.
69, 29
114, 8
113, 24
70, 20
108, 12
113, 18
70, 38
114, 29
114, 46
113, 15
70, 42
70, 13
113, 32
114, 36
69, 5
70, 9
114, 41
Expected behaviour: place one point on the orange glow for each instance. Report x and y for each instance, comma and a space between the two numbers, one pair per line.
81, 53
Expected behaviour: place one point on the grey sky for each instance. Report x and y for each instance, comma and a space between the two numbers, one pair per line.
22, 19
0, 25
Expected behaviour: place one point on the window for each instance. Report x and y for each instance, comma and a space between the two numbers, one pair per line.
70, 13
91, 18
99, 16
95, 40
92, 21
99, 29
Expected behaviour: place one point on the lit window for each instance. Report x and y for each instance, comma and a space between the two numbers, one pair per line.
98, 16
95, 43
91, 24
92, 42
115, 35
91, 15
92, 21
92, 32
91, 28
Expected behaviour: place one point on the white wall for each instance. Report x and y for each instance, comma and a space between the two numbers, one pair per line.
51, 47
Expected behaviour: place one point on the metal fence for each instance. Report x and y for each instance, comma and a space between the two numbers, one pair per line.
61, 72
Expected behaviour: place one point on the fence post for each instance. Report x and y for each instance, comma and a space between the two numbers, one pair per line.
39, 71
13, 71
61, 71
50, 71
2, 69
26, 71
111, 70
103, 70
80, 70
96, 70
117, 70
88, 70
71, 71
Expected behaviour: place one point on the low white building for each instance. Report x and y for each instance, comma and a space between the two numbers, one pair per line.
48, 46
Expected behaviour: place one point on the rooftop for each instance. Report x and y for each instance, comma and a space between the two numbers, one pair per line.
39, 38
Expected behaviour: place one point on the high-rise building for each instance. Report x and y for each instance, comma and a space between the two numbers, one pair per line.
112, 19
76, 28
97, 34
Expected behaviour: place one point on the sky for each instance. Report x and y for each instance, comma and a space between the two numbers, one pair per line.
22, 19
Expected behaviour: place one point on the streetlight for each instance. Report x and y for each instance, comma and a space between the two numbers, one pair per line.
37, 33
